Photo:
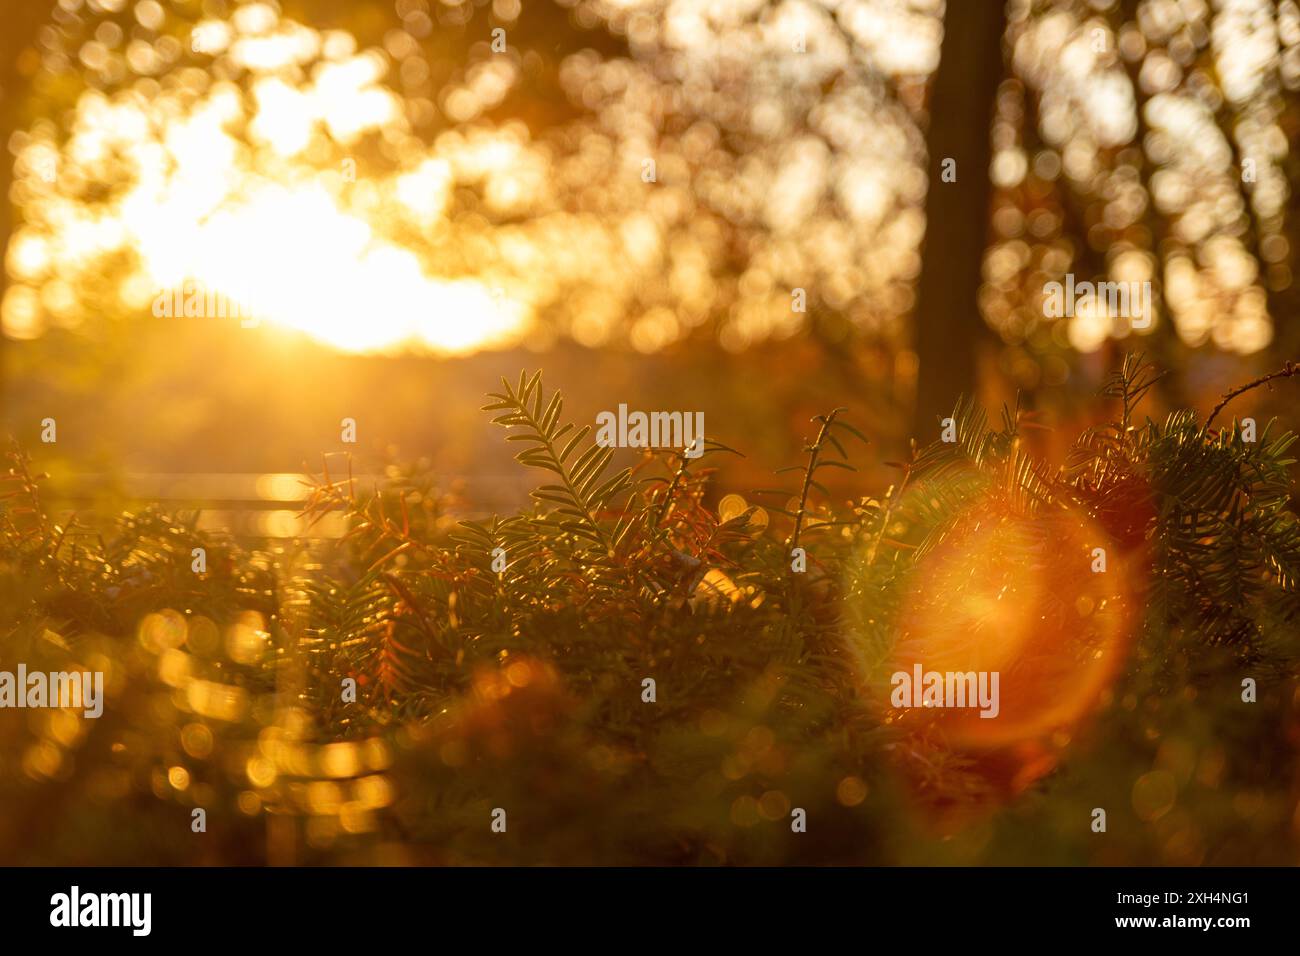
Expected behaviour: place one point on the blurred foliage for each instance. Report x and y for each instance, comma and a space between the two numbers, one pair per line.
1134, 140
520, 686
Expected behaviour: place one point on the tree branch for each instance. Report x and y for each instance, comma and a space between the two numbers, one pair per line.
1286, 371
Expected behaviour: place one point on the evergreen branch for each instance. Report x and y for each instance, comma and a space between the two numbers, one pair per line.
578, 493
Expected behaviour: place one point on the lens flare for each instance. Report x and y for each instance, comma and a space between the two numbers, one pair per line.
1042, 602
1007, 638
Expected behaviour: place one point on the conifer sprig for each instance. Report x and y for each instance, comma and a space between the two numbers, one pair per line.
581, 495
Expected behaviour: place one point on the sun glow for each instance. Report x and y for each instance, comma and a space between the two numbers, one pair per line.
249, 192
299, 262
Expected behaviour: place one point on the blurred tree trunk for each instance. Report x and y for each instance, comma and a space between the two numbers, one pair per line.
947, 326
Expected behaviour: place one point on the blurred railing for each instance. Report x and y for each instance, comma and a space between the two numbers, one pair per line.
258, 505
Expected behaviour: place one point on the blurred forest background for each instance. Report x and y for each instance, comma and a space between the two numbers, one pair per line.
419, 196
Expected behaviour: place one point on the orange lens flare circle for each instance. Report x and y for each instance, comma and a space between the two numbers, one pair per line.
1042, 602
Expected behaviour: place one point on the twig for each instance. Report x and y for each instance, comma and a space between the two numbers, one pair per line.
1286, 371
663, 509
891, 499
814, 452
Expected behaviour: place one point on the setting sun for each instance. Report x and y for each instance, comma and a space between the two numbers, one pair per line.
276, 220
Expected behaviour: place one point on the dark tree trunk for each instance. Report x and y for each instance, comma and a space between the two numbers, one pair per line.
947, 325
